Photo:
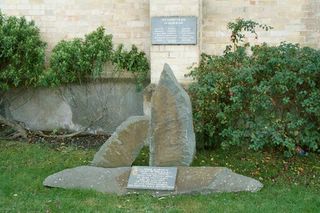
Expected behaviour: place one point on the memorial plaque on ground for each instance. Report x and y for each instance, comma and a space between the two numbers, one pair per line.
154, 178
174, 30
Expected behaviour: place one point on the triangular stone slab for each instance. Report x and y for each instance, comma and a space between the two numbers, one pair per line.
125, 144
172, 141
104, 180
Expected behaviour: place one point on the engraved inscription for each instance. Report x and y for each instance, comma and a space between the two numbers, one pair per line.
174, 30
154, 178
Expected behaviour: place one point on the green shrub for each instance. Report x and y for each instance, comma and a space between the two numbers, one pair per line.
270, 97
133, 61
22, 53
22, 57
75, 60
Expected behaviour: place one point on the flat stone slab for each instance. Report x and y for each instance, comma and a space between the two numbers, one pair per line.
111, 181
205, 180
172, 139
124, 145
190, 180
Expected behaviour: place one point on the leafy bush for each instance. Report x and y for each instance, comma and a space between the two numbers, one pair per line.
270, 97
22, 53
133, 61
73, 61
22, 57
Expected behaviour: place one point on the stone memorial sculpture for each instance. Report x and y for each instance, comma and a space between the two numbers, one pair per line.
170, 134
124, 145
172, 139
190, 180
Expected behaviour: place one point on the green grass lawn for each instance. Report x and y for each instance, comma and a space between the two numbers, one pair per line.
291, 185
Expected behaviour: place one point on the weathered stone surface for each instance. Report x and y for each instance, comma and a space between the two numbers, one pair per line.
206, 180
147, 95
101, 106
190, 180
111, 181
172, 139
122, 148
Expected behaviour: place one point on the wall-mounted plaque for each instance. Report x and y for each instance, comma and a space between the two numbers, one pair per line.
174, 30
154, 178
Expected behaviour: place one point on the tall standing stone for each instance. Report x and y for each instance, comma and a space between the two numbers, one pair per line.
125, 144
172, 141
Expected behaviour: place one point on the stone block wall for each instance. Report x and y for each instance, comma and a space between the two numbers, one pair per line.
127, 20
311, 20
296, 21
179, 57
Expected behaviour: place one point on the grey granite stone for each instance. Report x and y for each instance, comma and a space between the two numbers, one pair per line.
125, 144
172, 139
111, 181
205, 180
190, 180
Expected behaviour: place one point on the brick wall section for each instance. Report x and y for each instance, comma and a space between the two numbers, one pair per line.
127, 20
311, 20
296, 21
179, 57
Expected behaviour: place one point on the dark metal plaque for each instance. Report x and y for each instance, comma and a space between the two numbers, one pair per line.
174, 30
154, 178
